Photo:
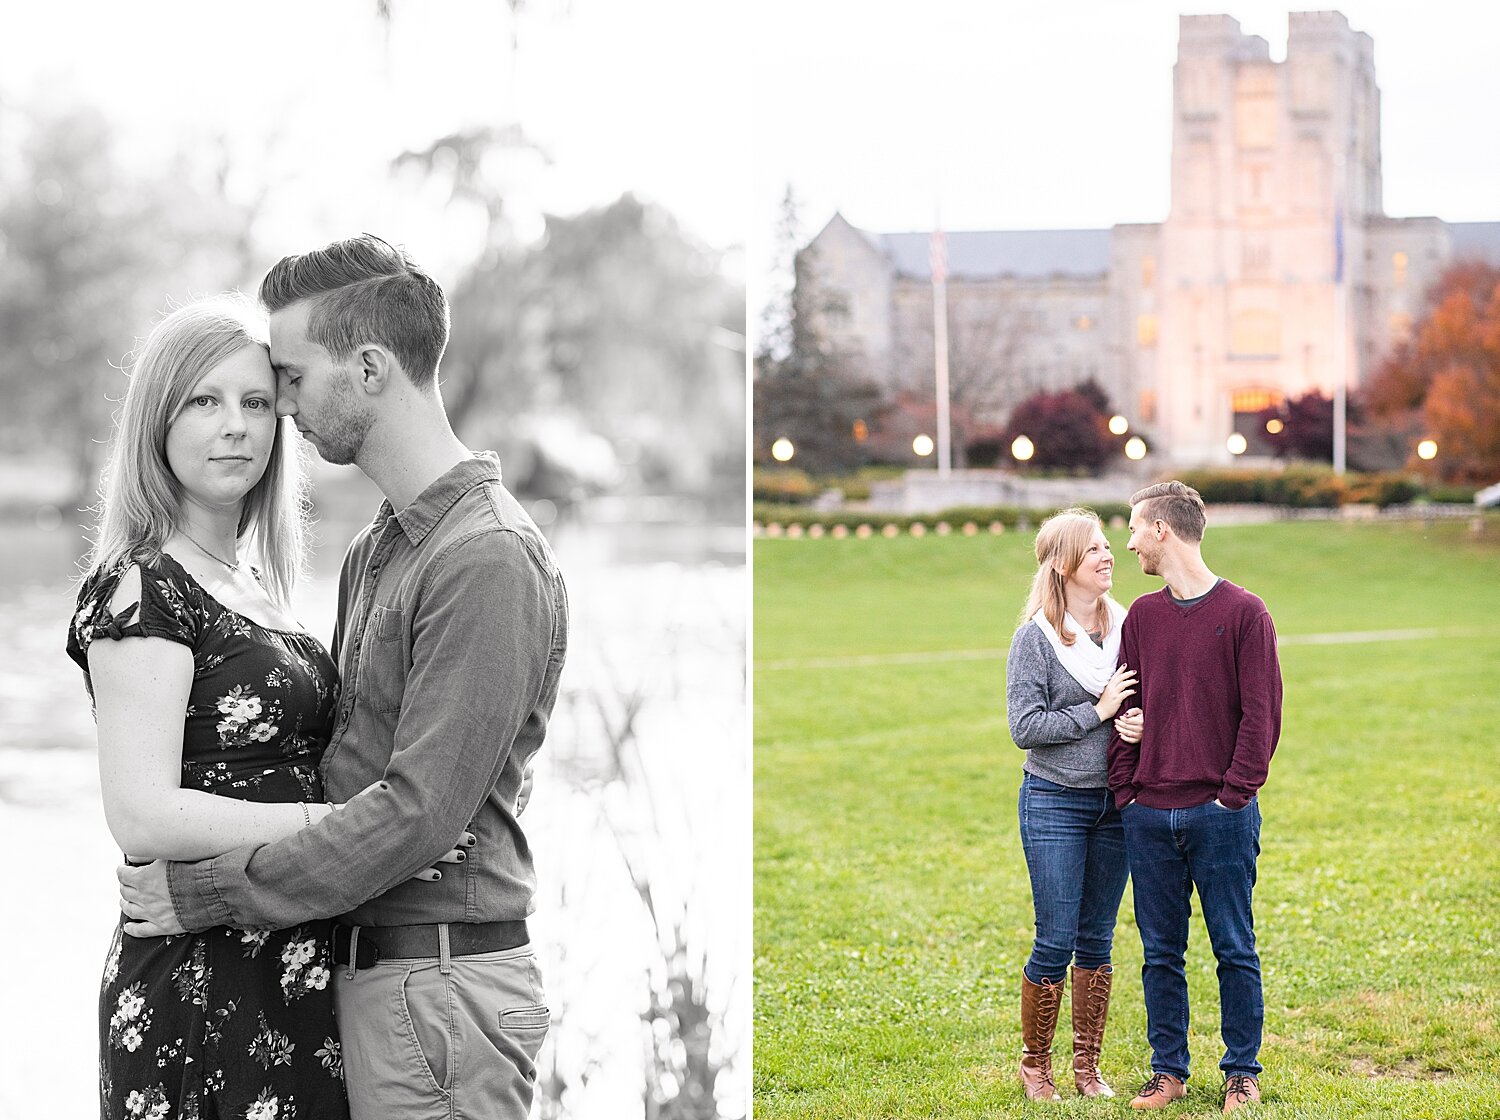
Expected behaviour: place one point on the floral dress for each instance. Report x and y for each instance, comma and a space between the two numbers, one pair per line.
226, 1023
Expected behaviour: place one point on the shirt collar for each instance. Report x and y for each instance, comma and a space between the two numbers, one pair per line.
417, 519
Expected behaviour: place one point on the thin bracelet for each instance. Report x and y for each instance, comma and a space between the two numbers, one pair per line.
306, 816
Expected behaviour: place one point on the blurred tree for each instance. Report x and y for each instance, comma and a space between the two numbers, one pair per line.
90, 255
1306, 426
808, 388
1444, 382
612, 345
985, 344
1066, 428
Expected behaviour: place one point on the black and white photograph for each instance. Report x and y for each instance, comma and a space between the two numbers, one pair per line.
373, 721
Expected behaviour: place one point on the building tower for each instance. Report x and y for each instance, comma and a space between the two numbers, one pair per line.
1269, 161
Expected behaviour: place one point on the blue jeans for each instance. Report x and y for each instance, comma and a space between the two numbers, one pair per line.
1172, 851
1075, 852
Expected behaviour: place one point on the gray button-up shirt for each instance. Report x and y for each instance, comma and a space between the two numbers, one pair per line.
453, 625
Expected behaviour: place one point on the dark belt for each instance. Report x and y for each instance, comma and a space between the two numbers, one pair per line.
396, 943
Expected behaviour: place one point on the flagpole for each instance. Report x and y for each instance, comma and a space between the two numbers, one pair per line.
1340, 339
940, 344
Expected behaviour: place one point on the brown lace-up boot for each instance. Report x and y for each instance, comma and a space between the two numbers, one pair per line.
1090, 1008
1040, 1004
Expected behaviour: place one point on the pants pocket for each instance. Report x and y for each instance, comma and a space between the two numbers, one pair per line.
522, 1032
428, 1023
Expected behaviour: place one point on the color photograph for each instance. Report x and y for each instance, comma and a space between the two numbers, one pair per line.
1126, 432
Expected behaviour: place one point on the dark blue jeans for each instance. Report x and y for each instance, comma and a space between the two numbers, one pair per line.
1172, 851
1075, 852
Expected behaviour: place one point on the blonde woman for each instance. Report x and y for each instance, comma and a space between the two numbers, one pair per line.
213, 708
1063, 692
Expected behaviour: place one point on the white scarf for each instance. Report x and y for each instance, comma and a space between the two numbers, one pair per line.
1088, 664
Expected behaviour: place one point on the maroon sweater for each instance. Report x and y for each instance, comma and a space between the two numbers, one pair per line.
1210, 689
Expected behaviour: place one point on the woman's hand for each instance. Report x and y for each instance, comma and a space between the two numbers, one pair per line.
1119, 687
1130, 725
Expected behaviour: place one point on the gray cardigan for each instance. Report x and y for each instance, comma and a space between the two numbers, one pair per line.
1052, 716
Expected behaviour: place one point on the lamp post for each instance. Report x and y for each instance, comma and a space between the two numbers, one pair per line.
1237, 444
782, 450
1135, 449
1427, 450
923, 445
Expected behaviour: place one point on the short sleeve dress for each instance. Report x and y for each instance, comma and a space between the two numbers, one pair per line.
224, 1023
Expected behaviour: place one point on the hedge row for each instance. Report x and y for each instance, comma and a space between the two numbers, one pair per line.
1307, 487
1011, 517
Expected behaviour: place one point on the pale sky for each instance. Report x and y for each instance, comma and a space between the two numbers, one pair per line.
1034, 115
648, 96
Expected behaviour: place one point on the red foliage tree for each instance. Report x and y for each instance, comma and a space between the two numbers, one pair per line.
1067, 428
1445, 381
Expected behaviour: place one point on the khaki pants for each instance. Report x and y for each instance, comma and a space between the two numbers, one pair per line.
442, 1038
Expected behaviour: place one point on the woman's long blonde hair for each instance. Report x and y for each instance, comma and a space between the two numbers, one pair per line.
1061, 544
141, 499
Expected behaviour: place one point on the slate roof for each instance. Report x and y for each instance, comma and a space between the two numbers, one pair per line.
1476, 239
1023, 254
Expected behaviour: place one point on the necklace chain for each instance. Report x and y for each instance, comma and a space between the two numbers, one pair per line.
212, 556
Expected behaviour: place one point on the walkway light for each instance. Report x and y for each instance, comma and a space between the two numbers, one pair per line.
922, 445
1237, 444
782, 450
1135, 449
1022, 448
1118, 425
1427, 450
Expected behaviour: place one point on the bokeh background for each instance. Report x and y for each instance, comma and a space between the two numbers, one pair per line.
569, 171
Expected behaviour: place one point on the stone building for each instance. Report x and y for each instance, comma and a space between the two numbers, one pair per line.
1275, 272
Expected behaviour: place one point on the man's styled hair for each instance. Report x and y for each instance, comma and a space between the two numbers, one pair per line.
365, 290
1176, 503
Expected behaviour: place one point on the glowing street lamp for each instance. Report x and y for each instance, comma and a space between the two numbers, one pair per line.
1022, 448
782, 450
1135, 449
1237, 444
922, 445
1274, 426
1118, 425
1427, 450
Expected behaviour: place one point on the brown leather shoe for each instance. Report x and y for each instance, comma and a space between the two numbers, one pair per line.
1240, 1089
1161, 1090
1040, 1004
1090, 1009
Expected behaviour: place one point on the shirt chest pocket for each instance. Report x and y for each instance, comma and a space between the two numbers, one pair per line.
383, 661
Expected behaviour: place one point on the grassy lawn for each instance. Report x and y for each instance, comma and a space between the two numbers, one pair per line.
892, 913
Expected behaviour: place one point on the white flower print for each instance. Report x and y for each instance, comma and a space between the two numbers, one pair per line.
298, 953
256, 940
331, 1057
131, 1039
112, 965
262, 732
240, 705
130, 1003
317, 977
266, 1108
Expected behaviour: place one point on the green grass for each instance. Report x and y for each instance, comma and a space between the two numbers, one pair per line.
892, 913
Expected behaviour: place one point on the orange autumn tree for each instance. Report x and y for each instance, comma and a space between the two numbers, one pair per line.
1444, 382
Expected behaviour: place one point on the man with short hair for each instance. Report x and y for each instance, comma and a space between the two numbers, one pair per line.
452, 629
1210, 692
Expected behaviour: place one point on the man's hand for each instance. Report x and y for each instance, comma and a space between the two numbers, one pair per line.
1130, 725
528, 779
145, 900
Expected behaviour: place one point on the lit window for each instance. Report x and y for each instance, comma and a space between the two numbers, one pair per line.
1400, 326
1084, 323
1398, 268
1148, 271
1146, 329
1148, 405
1254, 400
